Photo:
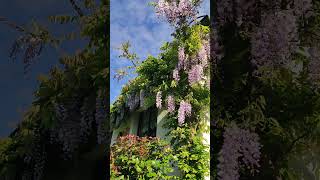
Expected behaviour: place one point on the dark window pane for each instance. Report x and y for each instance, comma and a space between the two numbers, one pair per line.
148, 123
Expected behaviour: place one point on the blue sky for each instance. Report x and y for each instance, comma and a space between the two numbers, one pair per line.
136, 21
16, 91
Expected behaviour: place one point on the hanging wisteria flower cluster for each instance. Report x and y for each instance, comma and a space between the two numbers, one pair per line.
274, 42
32, 47
159, 100
67, 132
195, 74
274, 33
100, 117
184, 110
239, 11
194, 66
313, 65
195, 69
175, 74
175, 12
133, 101
86, 119
204, 53
239, 144
171, 104
182, 63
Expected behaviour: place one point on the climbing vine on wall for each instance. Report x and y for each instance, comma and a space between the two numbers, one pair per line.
178, 81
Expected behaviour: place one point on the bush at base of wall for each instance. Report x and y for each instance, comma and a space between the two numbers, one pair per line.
134, 157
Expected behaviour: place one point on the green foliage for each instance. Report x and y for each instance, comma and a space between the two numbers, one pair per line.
188, 153
194, 38
83, 74
141, 158
281, 106
191, 152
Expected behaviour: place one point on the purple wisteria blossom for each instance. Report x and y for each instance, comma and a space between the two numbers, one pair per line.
159, 100
171, 104
195, 74
186, 9
184, 110
313, 65
173, 11
175, 74
164, 8
239, 11
181, 58
276, 40
239, 146
303, 7
204, 53
130, 102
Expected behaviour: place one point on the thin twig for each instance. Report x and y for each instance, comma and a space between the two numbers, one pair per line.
23, 30
296, 140
76, 8
13, 25
134, 64
196, 19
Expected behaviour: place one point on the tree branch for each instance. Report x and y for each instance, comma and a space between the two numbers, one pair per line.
13, 25
296, 140
196, 19
76, 8
134, 64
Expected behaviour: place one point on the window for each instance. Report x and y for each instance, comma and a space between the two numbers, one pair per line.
124, 132
148, 122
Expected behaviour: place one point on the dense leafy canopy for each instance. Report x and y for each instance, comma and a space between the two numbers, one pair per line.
65, 131
266, 83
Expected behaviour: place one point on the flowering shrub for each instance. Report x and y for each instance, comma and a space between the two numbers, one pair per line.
136, 157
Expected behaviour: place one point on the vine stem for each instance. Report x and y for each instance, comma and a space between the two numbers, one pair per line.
76, 8
14, 25
295, 141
